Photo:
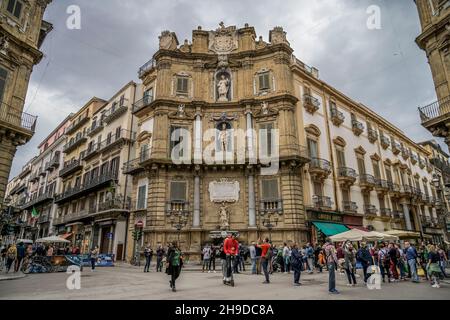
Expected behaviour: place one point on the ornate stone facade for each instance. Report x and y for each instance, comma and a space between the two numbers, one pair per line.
22, 32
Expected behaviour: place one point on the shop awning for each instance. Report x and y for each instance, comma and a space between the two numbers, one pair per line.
66, 235
404, 233
359, 228
330, 229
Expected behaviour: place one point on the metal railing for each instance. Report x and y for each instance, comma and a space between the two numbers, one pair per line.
17, 118
357, 125
386, 212
335, 113
367, 179
95, 128
52, 164
435, 109
77, 124
114, 112
349, 206
74, 143
322, 201
347, 172
396, 147
69, 166
115, 138
147, 67
309, 99
383, 184
372, 134
370, 209
317, 163
145, 101
385, 141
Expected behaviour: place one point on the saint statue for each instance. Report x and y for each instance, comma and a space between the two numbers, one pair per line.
223, 216
223, 137
223, 85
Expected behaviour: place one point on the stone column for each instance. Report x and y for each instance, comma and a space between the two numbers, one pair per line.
196, 217
407, 217
198, 139
250, 138
251, 201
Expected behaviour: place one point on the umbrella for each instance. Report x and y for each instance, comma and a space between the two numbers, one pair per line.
383, 236
53, 239
351, 235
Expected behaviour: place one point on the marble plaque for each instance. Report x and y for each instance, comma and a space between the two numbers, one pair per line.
224, 191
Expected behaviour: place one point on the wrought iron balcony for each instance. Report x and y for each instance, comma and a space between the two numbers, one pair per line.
405, 153
73, 144
414, 158
319, 168
337, 117
97, 182
47, 196
114, 113
91, 151
149, 65
52, 164
44, 218
310, 103
271, 206
406, 190
381, 185
15, 118
70, 167
370, 209
78, 123
95, 128
34, 176
349, 206
357, 127
142, 103
117, 139
372, 135
367, 182
385, 142
114, 204
346, 176
395, 147
386, 212
322, 202
42, 172
435, 111
18, 188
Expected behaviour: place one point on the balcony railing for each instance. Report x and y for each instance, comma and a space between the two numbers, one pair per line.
385, 142
147, 67
435, 110
372, 135
337, 117
346, 172
115, 139
405, 153
385, 212
52, 164
310, 103
95, 128
382, 185
91, 151
25, 170
317, 164
414, 158
396, 147
47, 196
114, 204
114, 112
349, 206
138, 105
77, 124
91, 184
70, 166
71, 145
357, 127
271, 206
17, 118
367, 180
370, 209
322, 202
177, 207
43, 218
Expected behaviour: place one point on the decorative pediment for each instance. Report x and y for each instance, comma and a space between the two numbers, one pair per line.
417, 176
424, 179
375, 157
339, 141
313, 130
265, 111
144, 135
388, 162
360, 150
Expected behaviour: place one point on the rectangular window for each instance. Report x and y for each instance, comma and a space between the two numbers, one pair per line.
122, 100
15, 8
94, 173
115, 166
425, 189
361, 165
345, 195
74, 207
312, 148
178, 191
376, 169
182, 85
267, 138
381, 201
82, 204
270, 189
388, 174
264, 81
104, 168
3, 76
340, 155
142, 197
366, 199
148, 95
318, 189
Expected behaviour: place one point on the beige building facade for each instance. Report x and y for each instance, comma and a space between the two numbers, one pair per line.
22, 32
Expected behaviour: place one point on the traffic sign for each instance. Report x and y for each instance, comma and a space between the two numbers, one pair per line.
139, 224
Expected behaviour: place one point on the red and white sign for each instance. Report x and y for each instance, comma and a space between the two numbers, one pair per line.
139, 223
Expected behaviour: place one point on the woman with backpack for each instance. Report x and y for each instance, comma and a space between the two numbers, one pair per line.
350, 263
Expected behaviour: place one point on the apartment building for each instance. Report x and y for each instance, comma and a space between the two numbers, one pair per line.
93, 202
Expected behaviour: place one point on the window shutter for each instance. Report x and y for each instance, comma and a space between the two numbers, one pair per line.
270, 189
312, 148
178, 191
361, 166
182, 84
142, 193
264, 81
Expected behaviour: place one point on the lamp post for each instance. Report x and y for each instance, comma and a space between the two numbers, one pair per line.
178, 220
270, 220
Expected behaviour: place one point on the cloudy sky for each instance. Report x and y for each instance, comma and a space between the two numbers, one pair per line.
384, 69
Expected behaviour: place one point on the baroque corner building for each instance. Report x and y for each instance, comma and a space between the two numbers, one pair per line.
225, 81
22, 31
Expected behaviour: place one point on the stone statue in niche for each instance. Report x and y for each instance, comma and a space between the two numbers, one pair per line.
223, 137
224, 217
264, 108
223, 87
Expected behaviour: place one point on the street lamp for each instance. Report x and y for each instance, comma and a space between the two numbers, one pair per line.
270, 221
178, 220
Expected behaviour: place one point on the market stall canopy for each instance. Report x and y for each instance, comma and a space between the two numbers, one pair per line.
25, 241
403, 233
53, 239
351, 235
384, 236
330, 229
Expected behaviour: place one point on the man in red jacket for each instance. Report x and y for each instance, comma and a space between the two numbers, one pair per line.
230, 247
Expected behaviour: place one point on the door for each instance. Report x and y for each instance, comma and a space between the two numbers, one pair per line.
119, 252
105, 241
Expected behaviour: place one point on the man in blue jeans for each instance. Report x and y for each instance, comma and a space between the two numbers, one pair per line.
411, 257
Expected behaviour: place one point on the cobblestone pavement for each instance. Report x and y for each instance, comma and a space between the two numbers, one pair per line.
125, 282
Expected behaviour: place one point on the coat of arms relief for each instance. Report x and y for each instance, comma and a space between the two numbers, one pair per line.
224, 40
